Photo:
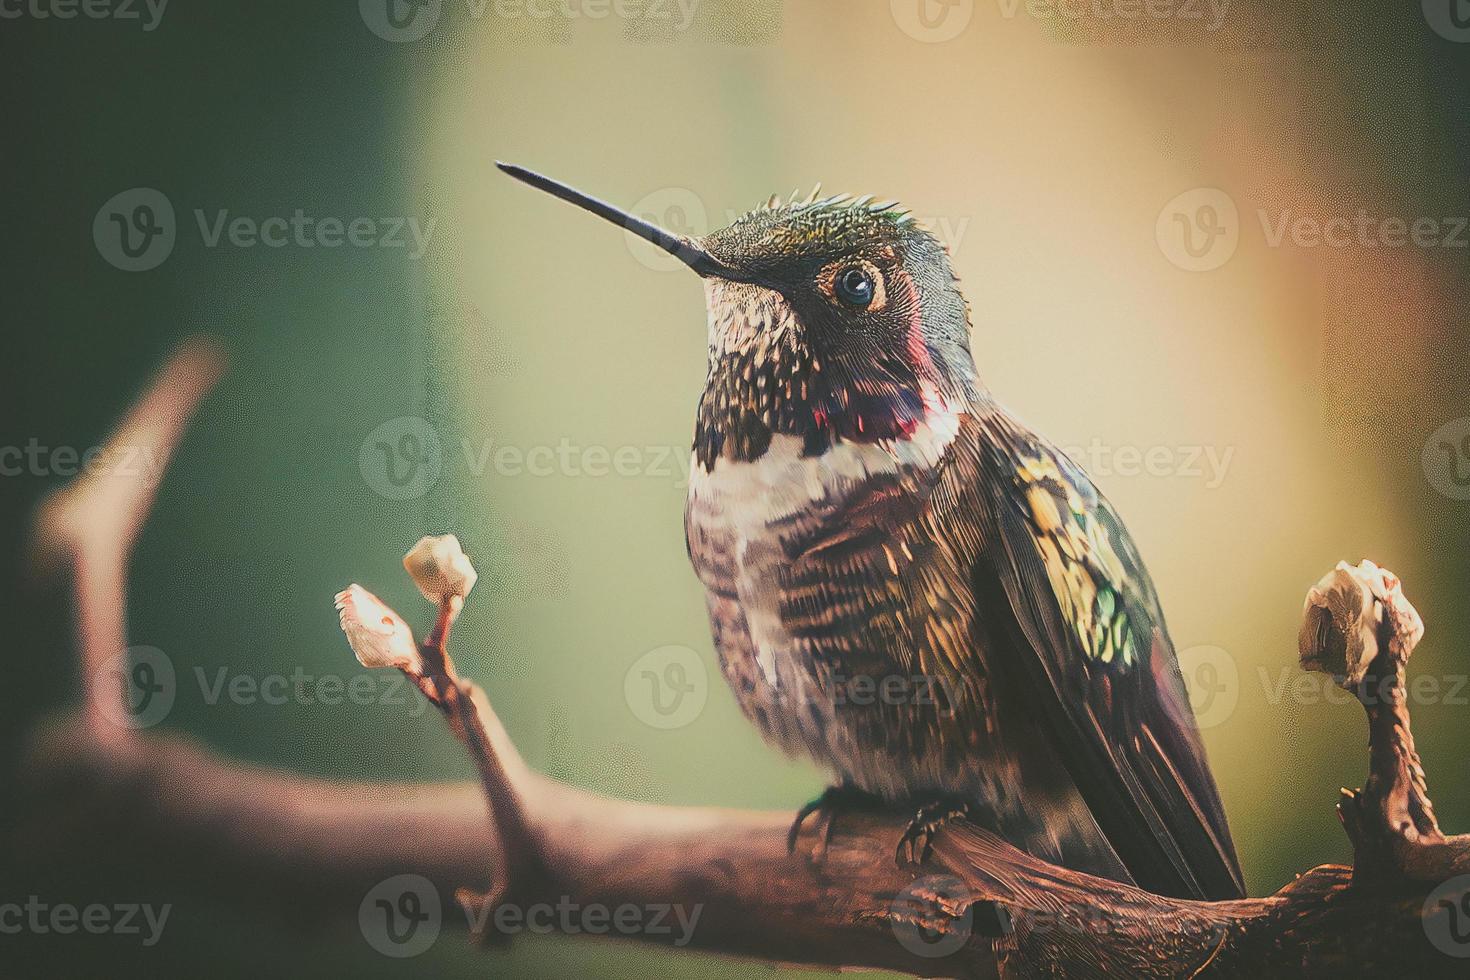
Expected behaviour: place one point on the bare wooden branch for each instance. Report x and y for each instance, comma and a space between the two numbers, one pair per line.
980, 907
92, 525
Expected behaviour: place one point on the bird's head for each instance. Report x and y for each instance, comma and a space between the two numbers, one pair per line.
830, 319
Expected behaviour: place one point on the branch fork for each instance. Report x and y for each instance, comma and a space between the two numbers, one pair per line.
979, 908
381, 638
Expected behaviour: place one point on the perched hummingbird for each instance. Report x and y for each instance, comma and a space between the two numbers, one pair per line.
905, 582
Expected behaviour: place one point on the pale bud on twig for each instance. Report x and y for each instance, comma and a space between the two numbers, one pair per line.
1342, 618
441, 569
378, 635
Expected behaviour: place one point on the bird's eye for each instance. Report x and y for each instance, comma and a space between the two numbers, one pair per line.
854, 286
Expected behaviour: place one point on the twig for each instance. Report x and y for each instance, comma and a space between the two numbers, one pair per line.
980, 907
92, 524
1360, 628
519, 853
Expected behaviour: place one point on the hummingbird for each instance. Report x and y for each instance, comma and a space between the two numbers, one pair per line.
908, 585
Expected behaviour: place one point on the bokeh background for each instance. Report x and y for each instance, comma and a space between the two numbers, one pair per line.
1220, 251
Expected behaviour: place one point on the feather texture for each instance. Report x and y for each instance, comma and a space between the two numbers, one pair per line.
997, 599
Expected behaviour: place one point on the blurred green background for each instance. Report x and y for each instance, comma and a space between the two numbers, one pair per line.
1050, 151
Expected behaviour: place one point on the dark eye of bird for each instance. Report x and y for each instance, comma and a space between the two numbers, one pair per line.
854, 286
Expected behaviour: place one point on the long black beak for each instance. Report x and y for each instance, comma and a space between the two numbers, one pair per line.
685, 249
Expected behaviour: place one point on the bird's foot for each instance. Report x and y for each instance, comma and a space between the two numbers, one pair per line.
825, 808
918, 838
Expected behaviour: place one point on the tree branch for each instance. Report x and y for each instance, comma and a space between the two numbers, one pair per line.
980, 907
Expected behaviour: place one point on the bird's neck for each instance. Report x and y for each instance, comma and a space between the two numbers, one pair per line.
755, 395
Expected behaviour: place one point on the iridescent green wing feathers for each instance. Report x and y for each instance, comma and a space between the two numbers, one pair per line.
1063, 579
